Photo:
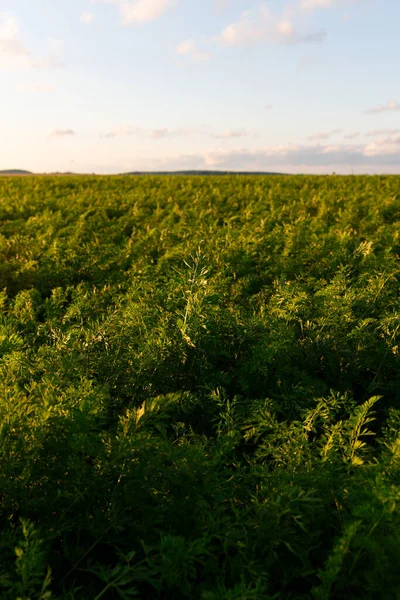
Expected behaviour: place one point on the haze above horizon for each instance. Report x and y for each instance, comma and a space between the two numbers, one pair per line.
108, 86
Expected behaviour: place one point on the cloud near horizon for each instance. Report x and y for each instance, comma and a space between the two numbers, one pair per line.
290, 158
392, 105
324, 135
352, 135
384, 146
36, 88
380, 132
155, 134
234, 133
164, 132
383, 152
379, 156
54, 133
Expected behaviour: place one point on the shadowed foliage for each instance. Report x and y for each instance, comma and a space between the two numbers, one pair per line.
199, 387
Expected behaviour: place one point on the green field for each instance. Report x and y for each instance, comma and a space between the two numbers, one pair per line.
200, 388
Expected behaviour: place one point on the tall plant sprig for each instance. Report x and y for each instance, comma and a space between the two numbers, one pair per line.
193, 295
356, 429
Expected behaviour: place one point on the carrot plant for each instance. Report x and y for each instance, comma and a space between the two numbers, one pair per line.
199, 387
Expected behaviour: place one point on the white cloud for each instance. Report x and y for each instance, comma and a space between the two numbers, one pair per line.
285, 28
310, 5
186, 47
51, 62
189, 48
158, 134
15, 49
166, 132
36, 88
263, 26
324, 135
60, 133
351, 136
87, 17
313, 4
14, 52
312, 156
288, 158
380, 132
9, 28
392, 105
144, 10
384, 146
122, 131
140, 11
233, 133
155, 134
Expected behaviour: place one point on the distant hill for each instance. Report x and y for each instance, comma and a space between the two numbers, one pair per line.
201, 173
15, 172
22, 172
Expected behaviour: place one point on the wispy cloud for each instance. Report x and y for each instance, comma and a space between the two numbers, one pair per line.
310, 5
155, 134
351, 136
186, 47
139, 11
189, 48
166, 132
234, 133
14, 52
159, 134
36, 88
54, 133
126, 131
379, 132
49, 62
122, 131
392, 105
324, 135
262, 26
87, 17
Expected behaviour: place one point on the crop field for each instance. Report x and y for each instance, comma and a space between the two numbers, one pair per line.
200, 388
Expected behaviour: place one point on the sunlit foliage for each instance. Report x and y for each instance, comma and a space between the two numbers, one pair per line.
200, 388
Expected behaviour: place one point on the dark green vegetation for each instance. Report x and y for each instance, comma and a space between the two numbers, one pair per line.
201, 173
15, 172
200, 388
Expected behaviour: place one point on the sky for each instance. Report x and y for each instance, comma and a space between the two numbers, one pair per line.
110, 86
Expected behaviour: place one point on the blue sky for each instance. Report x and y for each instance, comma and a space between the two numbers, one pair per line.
108, 86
